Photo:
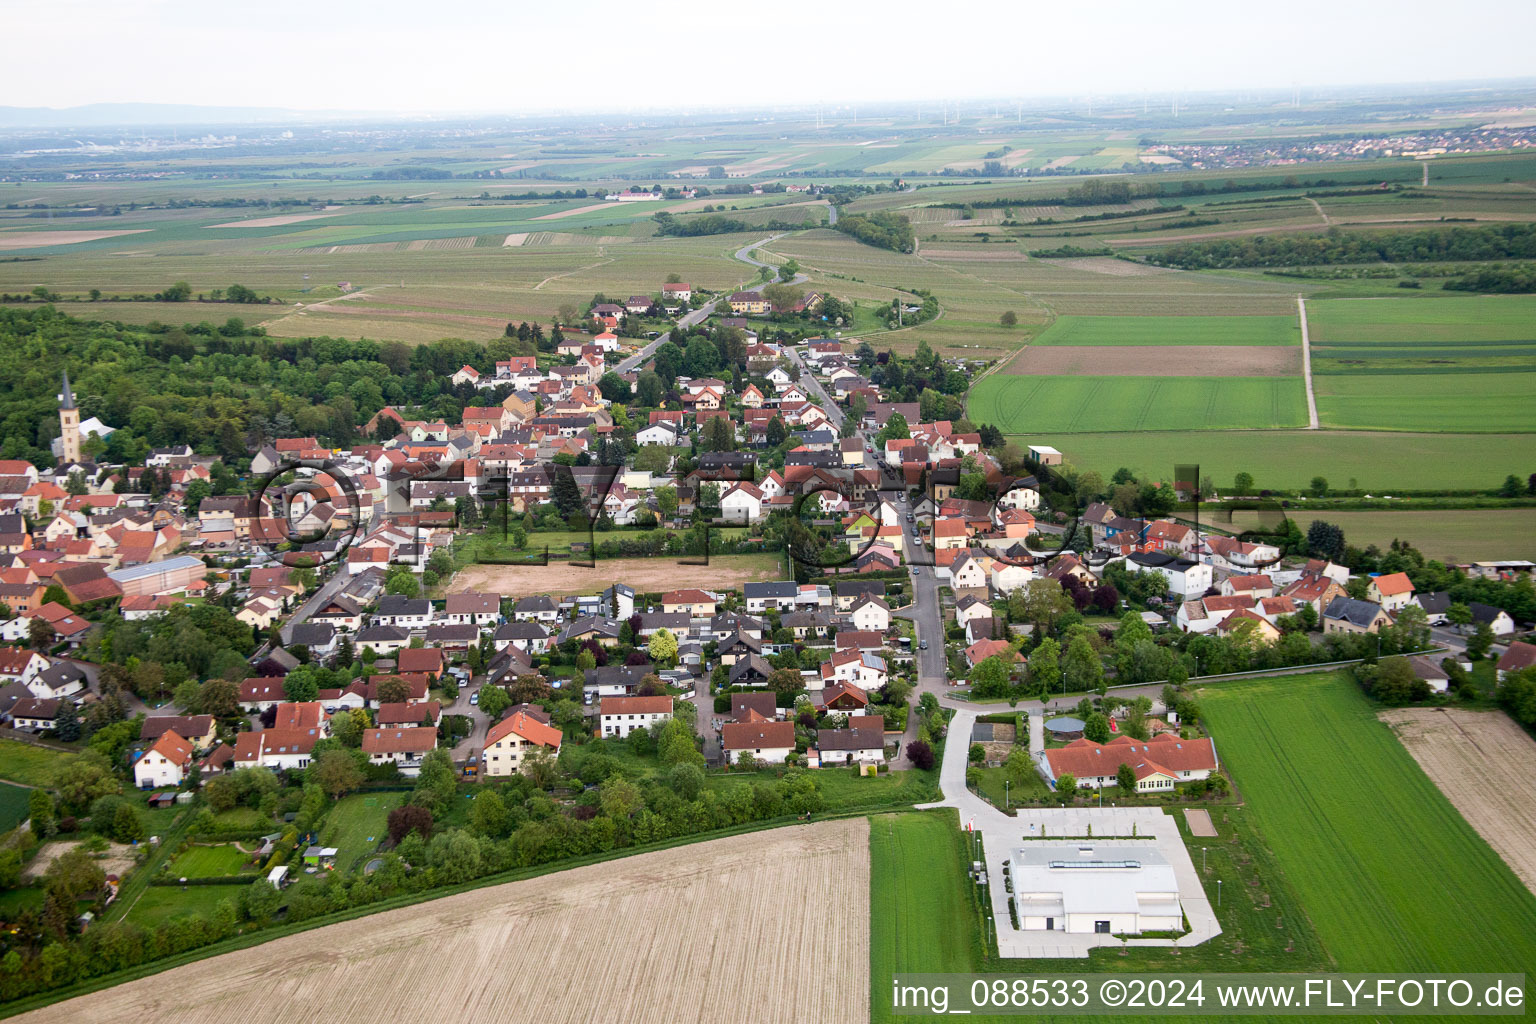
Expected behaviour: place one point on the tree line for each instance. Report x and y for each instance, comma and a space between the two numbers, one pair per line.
1495, 242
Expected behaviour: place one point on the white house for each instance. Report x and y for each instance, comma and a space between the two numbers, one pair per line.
405, 612
662, 432
770, 742
743, 503
472, 609
619, 716
1185, 576
165, 763
404, 748
864, 670
1392, 591
862, 742
871, 614
1083, 887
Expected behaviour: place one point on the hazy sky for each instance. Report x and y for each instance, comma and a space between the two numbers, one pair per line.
512, 55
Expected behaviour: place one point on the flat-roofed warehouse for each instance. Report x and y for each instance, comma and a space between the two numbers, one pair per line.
170, 576
1086, 887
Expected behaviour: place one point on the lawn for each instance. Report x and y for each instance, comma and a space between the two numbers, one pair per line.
1392, 877
1290, 458
1172, 330
28, 763
238, 818
211, 862
356, 826
1030, 787
161, 903
13, 805
1467, 402
1070, 404
923, 915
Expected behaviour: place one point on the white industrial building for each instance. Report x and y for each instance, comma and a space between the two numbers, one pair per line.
1084, 887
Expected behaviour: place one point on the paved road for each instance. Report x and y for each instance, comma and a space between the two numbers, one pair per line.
1306, 362
697, 316
813, 386
329, 589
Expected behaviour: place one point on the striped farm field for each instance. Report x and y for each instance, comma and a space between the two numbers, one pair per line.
1172, 330
1467, 402
1376, 460
1428, 318
1064, 404
1392, 876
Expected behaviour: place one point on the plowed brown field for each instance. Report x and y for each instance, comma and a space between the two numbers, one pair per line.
769, 926
1482, 763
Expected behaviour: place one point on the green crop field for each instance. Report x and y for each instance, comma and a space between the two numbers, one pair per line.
1450, 535
1431, 317
13, 805
922, 916
1393, 878
1291, 458
29, 763
211, 862
1159, 330
357, 825
1459, 402
1066, 405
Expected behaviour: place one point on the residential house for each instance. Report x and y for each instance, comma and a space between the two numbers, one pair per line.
38, 715
862, 742
166, 763
511, 741
871, 614
1349, 615
1392, 591
404, 748
197, 730
619, 716
772, 742
1518, 657
693, 602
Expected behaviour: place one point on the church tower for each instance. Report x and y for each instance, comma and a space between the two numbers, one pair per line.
69, 424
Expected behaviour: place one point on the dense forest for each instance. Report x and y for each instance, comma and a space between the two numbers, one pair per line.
883, 228
222, 390
1500, 242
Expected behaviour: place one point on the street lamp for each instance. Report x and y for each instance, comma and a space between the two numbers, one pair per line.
1218, 892
1202, 860
1006, 804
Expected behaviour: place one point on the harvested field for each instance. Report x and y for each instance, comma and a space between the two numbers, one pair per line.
272, 222
516, 238
559, 214
644, 574
1159, 360
37, 239
778, 904
1463, 752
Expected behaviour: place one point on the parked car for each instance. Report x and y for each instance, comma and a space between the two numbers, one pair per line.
922, 645
474, 698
